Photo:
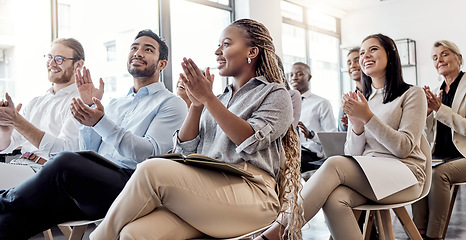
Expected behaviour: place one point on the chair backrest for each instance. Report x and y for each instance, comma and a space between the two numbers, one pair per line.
425, 148
333, 143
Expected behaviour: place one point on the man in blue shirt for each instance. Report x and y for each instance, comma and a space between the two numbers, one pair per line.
128, 131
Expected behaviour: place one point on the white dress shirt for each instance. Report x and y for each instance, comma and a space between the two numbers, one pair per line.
51, 114
316, 115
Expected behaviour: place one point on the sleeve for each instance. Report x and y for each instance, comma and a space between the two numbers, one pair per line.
270, 121
186, 147
429, 129
88, 138
355, 144
401, 142
296, 102
155, 141
16, 138
327, 120
67, 139
455, 121
341, 128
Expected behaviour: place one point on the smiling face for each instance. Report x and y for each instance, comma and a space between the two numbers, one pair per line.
354, 70
62, 73
232, 52
143, 57
445, 61
299, 78
373, 58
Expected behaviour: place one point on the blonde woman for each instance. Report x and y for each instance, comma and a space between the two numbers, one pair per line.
446, 131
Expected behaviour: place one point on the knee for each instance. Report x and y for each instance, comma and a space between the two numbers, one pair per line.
337, 201
439, 174
60, 162
156, 168
127, 233
335, 161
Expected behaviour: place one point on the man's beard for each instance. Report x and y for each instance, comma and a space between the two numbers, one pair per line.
64, 78
149, 71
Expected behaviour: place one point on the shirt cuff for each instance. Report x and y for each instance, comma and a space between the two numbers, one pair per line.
47, 142
250, 144
186, 147
105, 127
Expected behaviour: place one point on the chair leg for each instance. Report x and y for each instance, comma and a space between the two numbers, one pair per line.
407, 223
387, 224
380, 227
66, 231
78, 232
48, 234
450, 210
368, 223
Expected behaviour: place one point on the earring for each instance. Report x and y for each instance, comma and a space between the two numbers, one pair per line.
249, 60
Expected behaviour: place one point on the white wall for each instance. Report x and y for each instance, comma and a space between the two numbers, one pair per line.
268, 12
424, 21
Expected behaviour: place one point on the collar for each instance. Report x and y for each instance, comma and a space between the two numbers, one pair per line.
306, 94
147, 90
375, 91
261, 79
66, 90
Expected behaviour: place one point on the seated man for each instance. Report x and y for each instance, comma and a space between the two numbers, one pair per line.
354, 71
46, 125
316, 116
132, 128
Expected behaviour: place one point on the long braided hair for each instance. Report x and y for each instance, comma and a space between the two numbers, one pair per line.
290, 177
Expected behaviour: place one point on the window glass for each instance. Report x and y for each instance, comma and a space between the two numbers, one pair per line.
321, 20
196, 36
294, 45
106, 35
292, 11
25, 35
224, 2
324, 63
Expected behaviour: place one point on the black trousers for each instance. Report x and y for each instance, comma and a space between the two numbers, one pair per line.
69, 187
309, 160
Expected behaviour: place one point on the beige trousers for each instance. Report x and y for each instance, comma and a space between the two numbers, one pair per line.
338, 186
169, 200
431, 212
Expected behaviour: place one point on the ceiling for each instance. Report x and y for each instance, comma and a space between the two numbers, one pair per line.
339, 8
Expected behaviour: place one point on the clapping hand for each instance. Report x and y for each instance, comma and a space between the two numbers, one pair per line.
86, 115
433, 101
8, 113
198, 86
86, 88
357, 109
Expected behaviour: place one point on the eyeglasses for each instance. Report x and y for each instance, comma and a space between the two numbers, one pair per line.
58, 59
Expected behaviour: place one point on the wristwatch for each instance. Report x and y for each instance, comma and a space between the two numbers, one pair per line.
312, 134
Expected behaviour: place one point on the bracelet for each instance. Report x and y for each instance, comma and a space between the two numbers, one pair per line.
264, 237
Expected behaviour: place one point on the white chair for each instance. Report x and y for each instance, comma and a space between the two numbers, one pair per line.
73, 230
249, 235
382, 211
455, 187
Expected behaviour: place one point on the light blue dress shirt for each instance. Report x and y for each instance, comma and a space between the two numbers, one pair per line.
136, 126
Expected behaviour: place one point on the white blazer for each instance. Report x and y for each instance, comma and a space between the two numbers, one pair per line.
454, 117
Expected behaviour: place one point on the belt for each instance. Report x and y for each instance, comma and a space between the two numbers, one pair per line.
33, 157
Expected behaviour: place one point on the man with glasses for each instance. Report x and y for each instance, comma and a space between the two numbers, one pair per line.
73, 186
45, 125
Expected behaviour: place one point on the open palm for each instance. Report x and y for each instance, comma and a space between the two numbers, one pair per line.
86, 87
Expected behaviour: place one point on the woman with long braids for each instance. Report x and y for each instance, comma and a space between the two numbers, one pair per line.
249, 125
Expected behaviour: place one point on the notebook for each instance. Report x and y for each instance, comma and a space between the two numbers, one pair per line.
333, 143
199, 160
11, 175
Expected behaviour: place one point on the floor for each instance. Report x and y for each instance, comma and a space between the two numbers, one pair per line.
316, 229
